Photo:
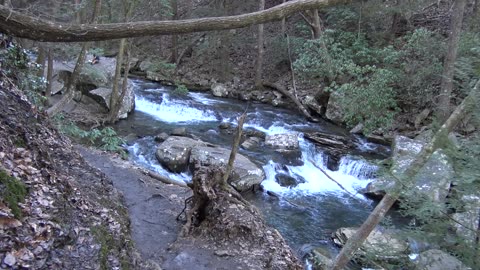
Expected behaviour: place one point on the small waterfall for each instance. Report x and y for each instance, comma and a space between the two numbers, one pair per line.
172, 111
352, 174
357, 168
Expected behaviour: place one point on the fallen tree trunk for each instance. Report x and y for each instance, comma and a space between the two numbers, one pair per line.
164, 179
24, 26
285, 92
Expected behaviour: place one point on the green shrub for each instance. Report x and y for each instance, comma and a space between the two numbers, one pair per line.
180, 89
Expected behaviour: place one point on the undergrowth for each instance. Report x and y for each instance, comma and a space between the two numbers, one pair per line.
13, 192
105, 138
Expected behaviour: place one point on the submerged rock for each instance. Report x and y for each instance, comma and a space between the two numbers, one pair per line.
432, 181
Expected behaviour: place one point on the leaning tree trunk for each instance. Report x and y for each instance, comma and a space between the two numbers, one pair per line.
118, 72
446, 88
41, 60
261, 50
48, 91
316, 24
406, 180
72, 82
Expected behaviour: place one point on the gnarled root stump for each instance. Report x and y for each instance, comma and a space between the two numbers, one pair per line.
223, 217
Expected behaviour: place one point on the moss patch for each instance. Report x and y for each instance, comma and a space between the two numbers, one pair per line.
12, 191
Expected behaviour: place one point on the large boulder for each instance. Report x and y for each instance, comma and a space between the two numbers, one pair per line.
435, 259
102, 96
380, 244
245, 173
219, 90
174, 153
335, 111
433, 180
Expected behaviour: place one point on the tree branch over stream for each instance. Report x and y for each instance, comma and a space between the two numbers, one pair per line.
24, 26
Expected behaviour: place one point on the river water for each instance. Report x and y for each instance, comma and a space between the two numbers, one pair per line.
305, 214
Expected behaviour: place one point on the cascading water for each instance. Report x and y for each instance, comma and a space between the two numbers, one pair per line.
307, 211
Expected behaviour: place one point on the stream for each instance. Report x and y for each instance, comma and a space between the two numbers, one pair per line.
305, 214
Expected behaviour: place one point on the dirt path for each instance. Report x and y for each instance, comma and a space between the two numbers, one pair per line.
153, 208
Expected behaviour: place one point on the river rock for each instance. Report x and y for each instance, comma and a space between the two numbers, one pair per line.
174, 153
433, 180
335, 112
468, 216
282, 141
102, 96
380, 244
288, 157
219, 90
161, 137
435, 259
251, 143
286, 180
245, 173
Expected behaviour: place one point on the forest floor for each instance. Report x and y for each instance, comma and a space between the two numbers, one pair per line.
153, 208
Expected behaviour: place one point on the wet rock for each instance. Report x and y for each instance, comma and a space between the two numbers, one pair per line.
251, 143
174, 152
181, 131
225, 125
380, 244
435, 259
288, 157
245, 173
219, 90
161, 137
130, 138
432, 181
334, 111
282, 141
286, 180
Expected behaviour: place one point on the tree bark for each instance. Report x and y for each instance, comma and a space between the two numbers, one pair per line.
116, 79
284, 23
24, 26
48, 90
446, 88
406, 180
261, 50
41, 58
70, 92
316, 27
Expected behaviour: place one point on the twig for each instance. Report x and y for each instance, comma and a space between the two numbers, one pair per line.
187, 200
234, 151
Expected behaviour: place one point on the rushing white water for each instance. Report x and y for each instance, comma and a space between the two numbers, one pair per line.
172, 111
352, 174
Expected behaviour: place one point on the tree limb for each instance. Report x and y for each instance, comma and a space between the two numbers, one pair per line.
24, 26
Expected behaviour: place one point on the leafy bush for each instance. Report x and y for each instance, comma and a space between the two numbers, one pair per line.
15, 64
161, 66
105, 138
180, 89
